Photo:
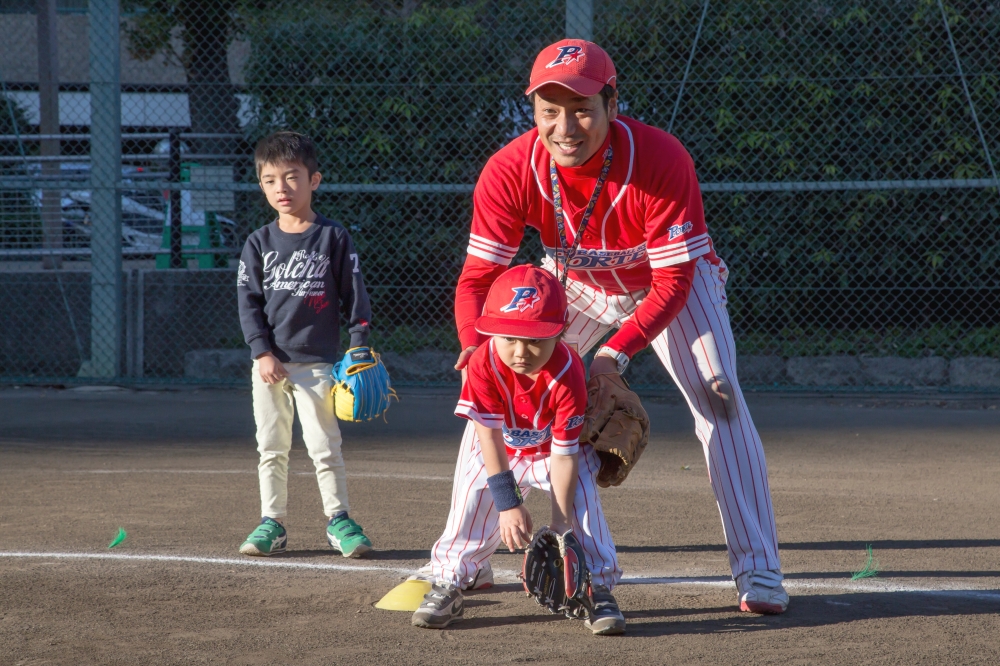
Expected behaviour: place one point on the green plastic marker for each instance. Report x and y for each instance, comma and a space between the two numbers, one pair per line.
118, 539
870, 569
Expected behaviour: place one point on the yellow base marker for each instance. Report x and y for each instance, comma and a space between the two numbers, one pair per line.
407, 596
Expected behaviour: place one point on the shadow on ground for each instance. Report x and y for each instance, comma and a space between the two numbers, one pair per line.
815, 611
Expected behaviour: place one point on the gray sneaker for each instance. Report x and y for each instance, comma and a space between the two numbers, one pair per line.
606, 620
761, 591
442, 606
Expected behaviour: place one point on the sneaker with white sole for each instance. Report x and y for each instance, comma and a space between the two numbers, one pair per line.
345, 535
760, 591
442, 606
606, 619
269, 538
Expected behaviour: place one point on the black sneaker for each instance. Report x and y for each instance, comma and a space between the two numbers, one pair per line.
442, 606
606, 619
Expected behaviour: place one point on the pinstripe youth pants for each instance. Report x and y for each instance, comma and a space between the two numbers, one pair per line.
698, 351
473, 530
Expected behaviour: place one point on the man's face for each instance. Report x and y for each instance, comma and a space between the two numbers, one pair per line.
288, 186
572, 128
522, 355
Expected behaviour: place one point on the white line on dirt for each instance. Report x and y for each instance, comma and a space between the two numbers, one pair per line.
363, 475
277, 564
504, 575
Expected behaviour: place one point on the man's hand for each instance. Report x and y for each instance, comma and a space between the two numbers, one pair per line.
463, 360
270, 368
602, 365
515, 527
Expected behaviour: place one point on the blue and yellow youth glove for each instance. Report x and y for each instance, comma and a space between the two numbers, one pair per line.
361, 388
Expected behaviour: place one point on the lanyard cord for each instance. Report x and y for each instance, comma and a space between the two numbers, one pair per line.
566, 252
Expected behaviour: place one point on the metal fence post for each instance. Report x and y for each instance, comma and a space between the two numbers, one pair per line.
105, 180
130, 323
140, 323
580, 19
174, 166
48, 103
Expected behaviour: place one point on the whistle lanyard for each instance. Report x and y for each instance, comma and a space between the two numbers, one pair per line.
566, 252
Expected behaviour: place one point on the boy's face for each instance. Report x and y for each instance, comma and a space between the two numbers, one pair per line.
523, 355
288, 186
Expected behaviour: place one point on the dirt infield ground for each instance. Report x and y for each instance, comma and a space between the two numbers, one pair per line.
917, 479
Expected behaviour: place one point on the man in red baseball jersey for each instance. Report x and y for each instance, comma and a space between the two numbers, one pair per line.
620, 215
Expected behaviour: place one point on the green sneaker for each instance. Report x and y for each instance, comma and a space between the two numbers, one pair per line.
345, 535
269, 538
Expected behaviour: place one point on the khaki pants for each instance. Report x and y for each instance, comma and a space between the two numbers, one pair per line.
309, 390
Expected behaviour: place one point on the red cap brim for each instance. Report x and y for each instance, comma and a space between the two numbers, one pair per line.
518, 328
581, 85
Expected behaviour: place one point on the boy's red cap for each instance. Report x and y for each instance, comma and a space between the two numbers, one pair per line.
583, 67
524, 302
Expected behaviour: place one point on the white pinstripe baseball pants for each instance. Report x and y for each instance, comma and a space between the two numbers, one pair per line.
698, 351
473, 530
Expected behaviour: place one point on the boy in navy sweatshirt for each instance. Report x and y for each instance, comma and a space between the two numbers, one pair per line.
294, 274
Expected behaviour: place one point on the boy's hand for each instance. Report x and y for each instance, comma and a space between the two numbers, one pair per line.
270, 368
515, 528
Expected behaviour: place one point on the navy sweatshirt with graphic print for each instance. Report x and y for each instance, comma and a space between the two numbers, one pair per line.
290, 288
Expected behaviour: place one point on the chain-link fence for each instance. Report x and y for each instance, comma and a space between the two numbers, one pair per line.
845, 149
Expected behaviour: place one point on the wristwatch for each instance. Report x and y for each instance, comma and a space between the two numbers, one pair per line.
620, 357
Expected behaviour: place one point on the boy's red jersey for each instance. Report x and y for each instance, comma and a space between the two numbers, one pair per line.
544, 415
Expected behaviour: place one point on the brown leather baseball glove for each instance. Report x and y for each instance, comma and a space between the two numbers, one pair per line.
616, 425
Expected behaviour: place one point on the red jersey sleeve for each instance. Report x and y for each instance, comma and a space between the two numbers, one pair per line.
671, 287
675, 217
569, 404
498, 209
676, 235
498, 222
480, 400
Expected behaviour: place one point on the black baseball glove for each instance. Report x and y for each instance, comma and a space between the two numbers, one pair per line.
555, 573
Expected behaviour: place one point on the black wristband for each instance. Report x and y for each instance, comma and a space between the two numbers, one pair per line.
506, 494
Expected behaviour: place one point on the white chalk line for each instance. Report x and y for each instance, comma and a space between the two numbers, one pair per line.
363, 475
504, 575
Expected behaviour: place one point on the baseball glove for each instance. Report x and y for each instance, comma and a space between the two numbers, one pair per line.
555, 573
361, 389
616, 425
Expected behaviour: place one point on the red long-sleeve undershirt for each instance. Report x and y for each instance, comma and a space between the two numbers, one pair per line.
670, 288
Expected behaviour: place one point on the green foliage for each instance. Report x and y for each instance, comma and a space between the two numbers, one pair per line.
419, 92
172, 28
826, 91
410, 91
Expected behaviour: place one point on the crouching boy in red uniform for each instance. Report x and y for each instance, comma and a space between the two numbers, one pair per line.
526, 393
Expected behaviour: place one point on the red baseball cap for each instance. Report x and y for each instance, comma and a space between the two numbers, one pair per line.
524, 302
582, 66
